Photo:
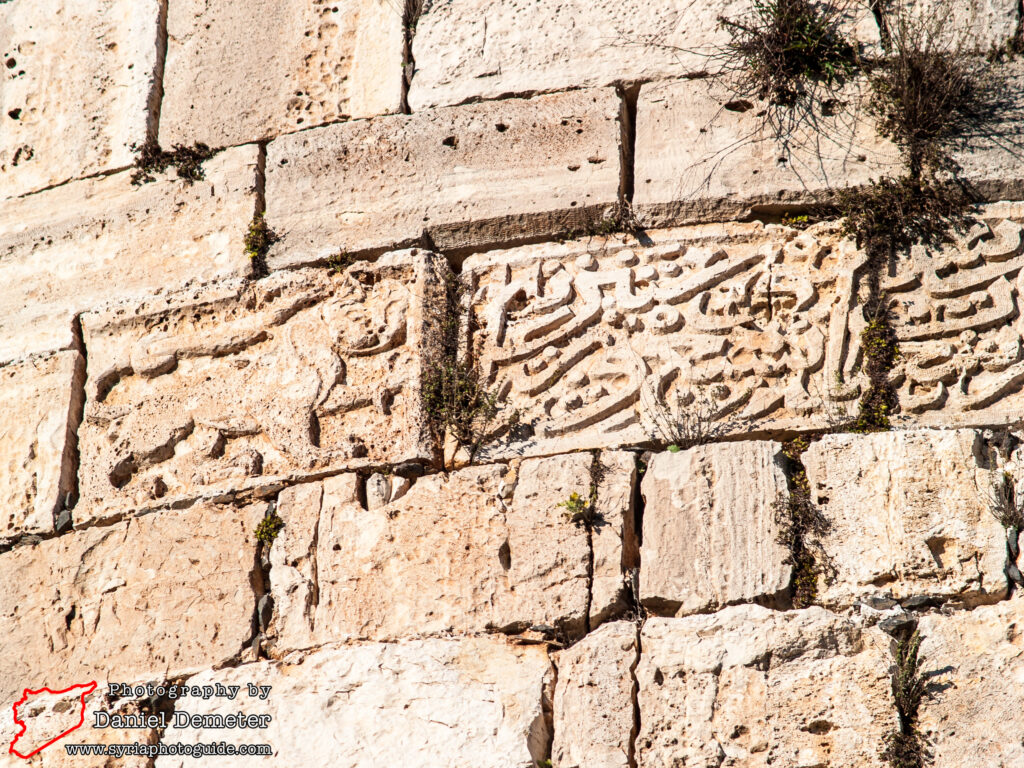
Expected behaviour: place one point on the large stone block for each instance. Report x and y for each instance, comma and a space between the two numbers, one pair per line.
974, 664
594, 718
238, 73
471, 50
753, 687
102, 240
468, 176
165, 594
478, 702
482, 548
909, 513
79, 80
46, 716
704, 154
244, 385
710, 536
41, 402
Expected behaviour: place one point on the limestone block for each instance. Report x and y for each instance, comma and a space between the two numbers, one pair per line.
244, 385
703, 154
242, 72
474, 701
471, 50
451, 555
161, 595
593, 714
975, 25
101, 240
469, 176
46, 716
909, 514
603, 342
78, 88
754, 687
41, 402
974, 663
710, 536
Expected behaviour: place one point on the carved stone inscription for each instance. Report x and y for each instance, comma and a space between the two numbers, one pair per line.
601, 342
247, 386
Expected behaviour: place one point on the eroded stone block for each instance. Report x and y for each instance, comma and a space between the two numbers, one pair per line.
594, 715
243, 385
41, 402
710, 533
469, 176
158, 595
470, 50
909, 514
238, 73
472, 701
759, 687
477, 549
78, 82
974, 663
92, 242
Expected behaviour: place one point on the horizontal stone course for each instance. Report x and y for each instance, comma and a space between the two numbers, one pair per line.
76, 88
469, 177
41, 403
102, 240
244, 72
161, 595
472, 701
244, 386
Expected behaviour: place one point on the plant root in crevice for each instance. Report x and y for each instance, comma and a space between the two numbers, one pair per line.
905, 746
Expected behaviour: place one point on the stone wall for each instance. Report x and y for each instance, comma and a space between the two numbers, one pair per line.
584, 588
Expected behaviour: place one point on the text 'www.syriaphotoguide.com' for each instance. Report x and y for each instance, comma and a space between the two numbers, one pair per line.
136, 749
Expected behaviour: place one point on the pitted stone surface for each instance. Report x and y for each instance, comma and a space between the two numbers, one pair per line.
40, 400
164, 594
472, 701
467, 50
594, 718
243, 72
909, 514
75, 88
453, 554
245, 385
469, 176
710, 533
97, 241
974, 663
755, 687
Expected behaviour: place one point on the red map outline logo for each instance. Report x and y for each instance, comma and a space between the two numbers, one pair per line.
87, 688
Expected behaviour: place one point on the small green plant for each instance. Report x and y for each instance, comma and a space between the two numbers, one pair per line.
1004, 505
786, 51
800, 221
339, 262
269, 527
580, 510
905, 747
258, 239
188, 161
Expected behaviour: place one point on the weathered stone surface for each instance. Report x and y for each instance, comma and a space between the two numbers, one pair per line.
974, 662
478, 702
238, 73
46, 716
974, 25
469, 176
243, 385
594, 721
78, 81
909, 514
702, 154
41, 401
753, 687
481, 548
100, 240
471, 50
159, 595
710, 536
